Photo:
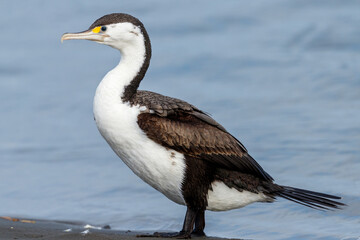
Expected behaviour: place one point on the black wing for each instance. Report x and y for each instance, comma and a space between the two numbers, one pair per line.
178, 125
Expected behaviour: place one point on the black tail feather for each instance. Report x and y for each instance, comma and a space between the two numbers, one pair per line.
310, 199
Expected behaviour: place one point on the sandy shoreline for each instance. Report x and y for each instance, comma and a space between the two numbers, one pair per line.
29, 229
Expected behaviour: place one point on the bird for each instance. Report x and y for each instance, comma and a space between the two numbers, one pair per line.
175, 147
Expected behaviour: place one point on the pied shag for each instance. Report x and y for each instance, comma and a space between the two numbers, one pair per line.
170, 144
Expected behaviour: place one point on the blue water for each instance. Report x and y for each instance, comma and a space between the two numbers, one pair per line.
282, 76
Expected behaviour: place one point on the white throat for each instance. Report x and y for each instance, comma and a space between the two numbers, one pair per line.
133, 55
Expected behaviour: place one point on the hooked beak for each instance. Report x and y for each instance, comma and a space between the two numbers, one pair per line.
86, 35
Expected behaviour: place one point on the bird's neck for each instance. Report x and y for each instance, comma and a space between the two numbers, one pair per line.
124, 79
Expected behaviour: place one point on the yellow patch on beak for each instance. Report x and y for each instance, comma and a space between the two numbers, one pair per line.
96, 30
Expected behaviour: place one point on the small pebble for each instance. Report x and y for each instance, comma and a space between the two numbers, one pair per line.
106, 227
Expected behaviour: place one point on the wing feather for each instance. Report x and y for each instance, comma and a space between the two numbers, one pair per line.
190, 135
181, 126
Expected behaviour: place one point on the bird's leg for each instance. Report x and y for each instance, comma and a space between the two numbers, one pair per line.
199, 224
186, 230
188, 223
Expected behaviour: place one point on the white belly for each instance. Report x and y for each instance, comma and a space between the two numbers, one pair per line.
223, 198
161, 168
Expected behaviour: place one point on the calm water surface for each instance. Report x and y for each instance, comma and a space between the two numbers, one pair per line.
282, 76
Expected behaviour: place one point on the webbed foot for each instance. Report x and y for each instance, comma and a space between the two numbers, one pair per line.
178, 235
198, 233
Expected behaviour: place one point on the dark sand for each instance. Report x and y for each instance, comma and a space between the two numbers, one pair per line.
41, 229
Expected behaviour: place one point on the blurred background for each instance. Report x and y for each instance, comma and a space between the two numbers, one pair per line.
281, 76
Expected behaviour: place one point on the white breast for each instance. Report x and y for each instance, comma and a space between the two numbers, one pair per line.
223, 198
163, 169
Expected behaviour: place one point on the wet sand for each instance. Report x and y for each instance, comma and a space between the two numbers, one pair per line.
28, 229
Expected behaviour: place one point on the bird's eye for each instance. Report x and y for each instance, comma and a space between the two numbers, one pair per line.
103, 28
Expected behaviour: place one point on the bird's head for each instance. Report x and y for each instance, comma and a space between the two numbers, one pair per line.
118, 30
